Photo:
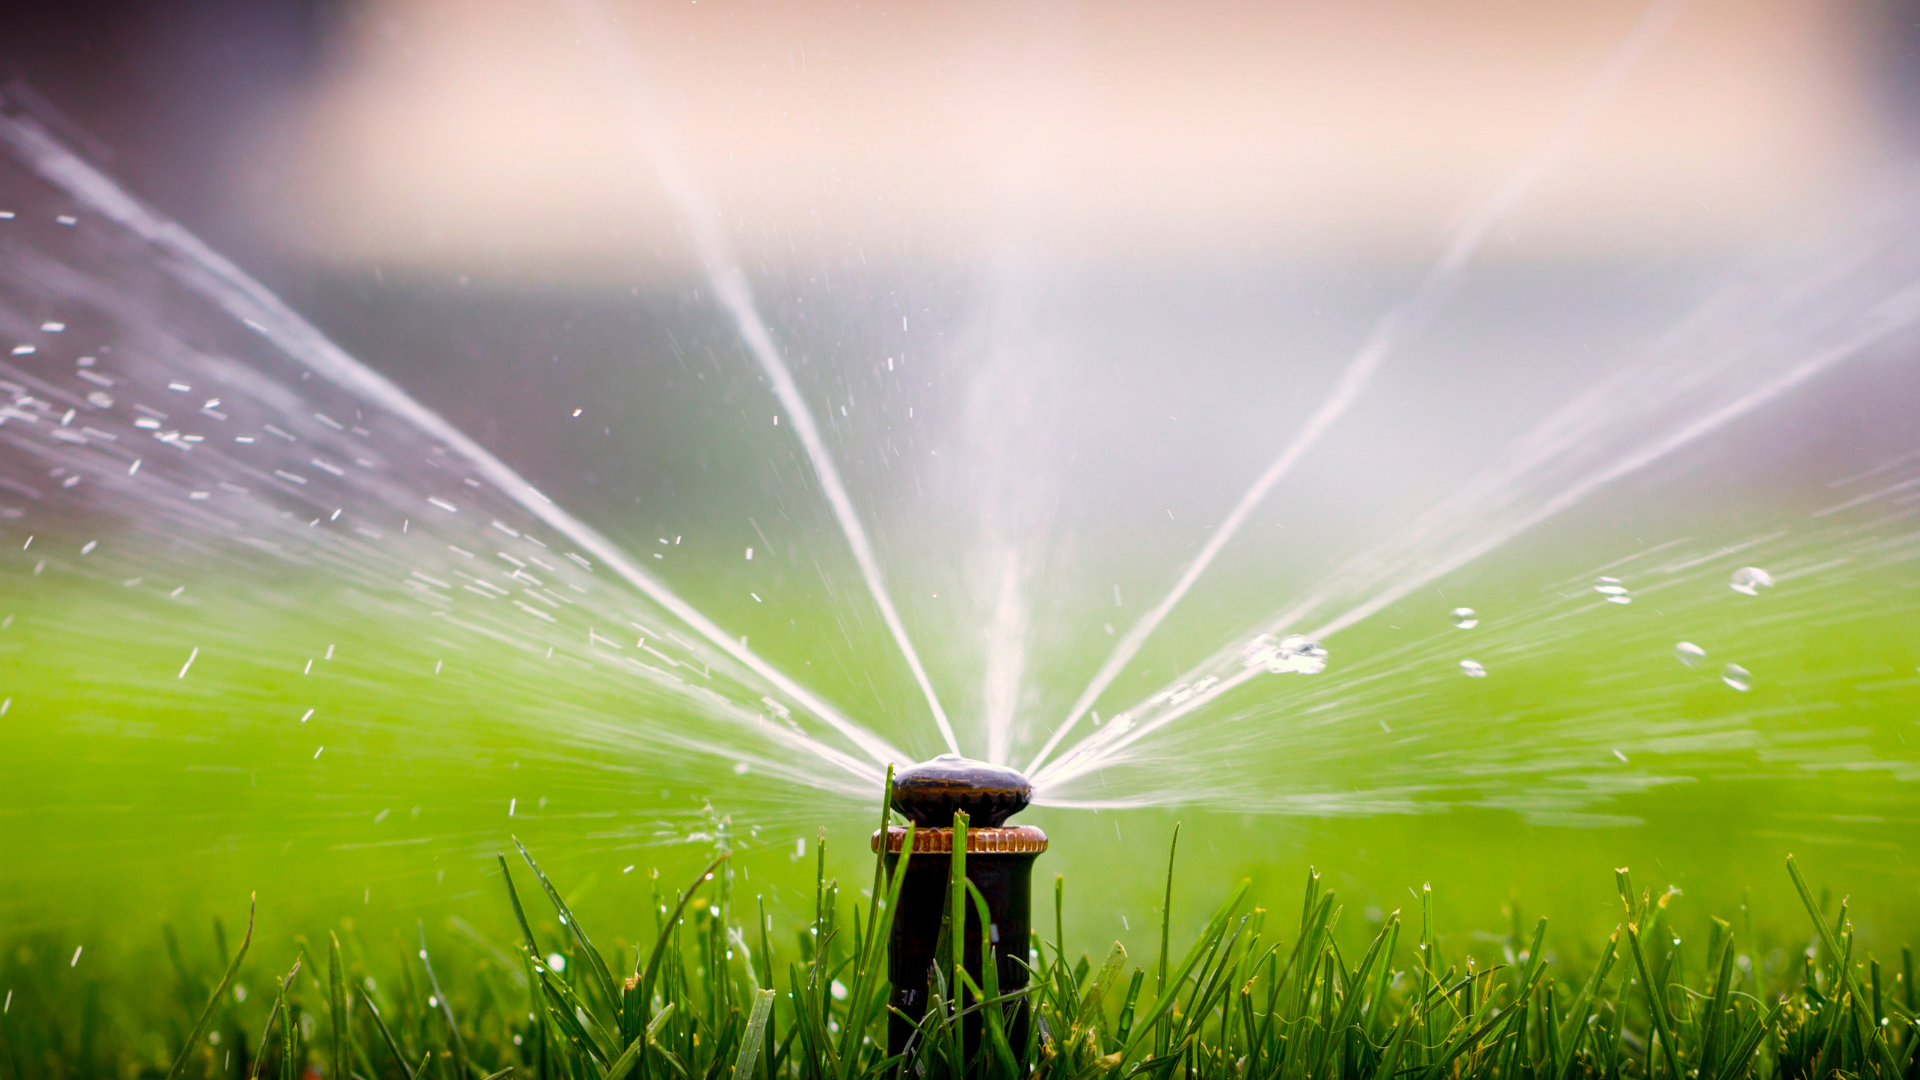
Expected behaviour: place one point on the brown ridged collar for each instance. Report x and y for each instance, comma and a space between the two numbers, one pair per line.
1012, 840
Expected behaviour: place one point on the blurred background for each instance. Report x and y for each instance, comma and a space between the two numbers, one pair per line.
1059, 283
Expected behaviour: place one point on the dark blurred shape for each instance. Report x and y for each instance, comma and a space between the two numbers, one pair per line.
167, 93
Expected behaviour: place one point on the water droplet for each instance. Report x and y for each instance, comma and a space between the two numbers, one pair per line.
1750, 580
556, 961
1473, 669
741, 768
1465, 618
1613, 590
1737, 677
1258, 653
1689, 654
1297, 655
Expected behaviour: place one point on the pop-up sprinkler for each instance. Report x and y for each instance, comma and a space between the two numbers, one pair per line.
999, 862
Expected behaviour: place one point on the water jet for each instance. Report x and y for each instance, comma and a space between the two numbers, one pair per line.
999, 863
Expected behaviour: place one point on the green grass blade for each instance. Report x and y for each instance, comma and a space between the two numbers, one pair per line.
1166, 935
1534, 960
624, 1064
750, 1043
879, 866
1716, 1010
1596, 979
1125, 1026
866, 990
337, 1006
989, 988
1091, 1005
1656, 1009
213, 1002
1906, 976
957, 913
266, 1034
1209, 937
1736, 1061
446, 1007
659, 954
1390, 1058
290, 1038
1576, 1022
386, 1033
1874, 1035
595, 962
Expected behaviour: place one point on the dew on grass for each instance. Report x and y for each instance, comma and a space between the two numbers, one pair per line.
1750, 580
1465, 618
1737, 677
556, 961
1689, 654
1473, 669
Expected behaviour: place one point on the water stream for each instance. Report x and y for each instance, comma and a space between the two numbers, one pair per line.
176, 435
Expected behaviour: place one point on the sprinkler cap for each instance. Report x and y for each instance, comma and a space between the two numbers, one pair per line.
930, 792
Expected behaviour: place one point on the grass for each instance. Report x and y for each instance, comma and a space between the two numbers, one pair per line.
708, 994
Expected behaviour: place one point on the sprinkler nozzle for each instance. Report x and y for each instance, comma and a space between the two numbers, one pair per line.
927, 794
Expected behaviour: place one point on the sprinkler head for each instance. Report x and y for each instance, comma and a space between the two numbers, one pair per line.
928, 793
999, 865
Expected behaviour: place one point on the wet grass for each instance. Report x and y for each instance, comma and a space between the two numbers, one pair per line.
707, 990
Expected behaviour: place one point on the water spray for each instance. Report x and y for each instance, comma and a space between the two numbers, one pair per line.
1405, 319
729, 283
999, 863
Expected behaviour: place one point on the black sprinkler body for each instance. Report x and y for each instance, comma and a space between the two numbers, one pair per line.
999, 864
